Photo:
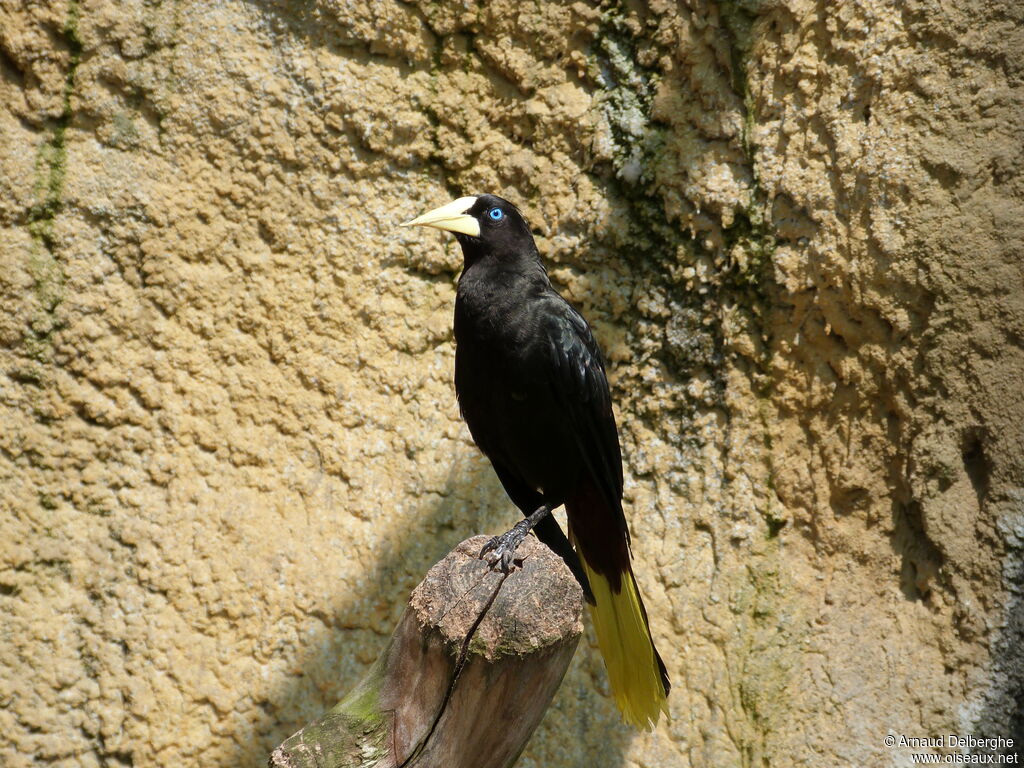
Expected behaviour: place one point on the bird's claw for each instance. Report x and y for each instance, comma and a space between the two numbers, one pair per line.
500, 551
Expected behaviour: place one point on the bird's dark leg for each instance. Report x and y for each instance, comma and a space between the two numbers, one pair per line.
502, 548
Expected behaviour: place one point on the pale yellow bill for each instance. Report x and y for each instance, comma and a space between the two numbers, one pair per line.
451, 217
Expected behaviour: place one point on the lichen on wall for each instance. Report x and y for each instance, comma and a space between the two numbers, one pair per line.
231, 442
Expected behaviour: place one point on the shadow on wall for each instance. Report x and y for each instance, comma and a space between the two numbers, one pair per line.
1003, 712
473, 502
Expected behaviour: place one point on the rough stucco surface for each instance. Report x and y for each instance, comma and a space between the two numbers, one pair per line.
230, 443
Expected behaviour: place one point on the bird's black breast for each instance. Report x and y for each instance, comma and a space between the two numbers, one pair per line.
502, 380
522, 355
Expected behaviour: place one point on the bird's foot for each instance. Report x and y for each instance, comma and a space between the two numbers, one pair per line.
500, 551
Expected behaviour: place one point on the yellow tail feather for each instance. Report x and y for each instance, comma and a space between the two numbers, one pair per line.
625, 642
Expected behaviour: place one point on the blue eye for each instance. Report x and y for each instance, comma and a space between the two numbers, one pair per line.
496, 214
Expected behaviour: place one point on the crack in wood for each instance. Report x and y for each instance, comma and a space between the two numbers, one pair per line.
459, 664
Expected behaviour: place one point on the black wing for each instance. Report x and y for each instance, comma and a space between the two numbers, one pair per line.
580, 387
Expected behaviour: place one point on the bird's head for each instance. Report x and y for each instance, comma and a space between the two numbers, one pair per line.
483, 224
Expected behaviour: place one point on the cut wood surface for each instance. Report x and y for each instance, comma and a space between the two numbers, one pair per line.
467, 675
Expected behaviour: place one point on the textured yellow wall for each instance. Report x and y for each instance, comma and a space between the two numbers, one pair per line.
230, 442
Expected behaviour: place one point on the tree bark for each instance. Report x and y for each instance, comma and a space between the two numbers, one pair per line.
467, 676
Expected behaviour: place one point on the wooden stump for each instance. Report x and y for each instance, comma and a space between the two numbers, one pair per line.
469, 671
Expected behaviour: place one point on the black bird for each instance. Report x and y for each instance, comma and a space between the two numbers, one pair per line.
532, 387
